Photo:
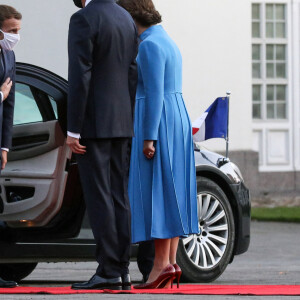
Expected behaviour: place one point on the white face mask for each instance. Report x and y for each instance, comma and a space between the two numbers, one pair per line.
10, 40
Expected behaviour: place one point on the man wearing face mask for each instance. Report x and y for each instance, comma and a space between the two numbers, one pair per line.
10, 25
102, 85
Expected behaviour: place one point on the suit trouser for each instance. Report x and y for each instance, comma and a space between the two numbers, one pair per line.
104, 177
145, 257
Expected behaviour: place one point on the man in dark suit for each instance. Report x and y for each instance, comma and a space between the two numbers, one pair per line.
102, 85
10, 25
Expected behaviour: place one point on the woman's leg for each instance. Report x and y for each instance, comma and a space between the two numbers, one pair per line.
161, 260
173, 250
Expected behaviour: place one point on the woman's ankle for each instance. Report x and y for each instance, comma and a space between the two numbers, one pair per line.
161, 265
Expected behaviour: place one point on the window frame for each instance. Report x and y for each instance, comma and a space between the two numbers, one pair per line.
264, 81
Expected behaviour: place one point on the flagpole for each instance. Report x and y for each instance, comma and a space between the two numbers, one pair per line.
227, 137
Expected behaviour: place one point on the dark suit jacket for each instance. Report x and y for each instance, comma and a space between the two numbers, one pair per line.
7, 107
102, 71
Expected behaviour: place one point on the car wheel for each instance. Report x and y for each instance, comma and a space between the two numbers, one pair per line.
16, 272
203, 257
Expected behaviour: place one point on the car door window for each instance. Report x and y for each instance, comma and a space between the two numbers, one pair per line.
33, 105
54, 106
26, 109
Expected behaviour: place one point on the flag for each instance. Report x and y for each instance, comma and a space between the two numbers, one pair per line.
213, 123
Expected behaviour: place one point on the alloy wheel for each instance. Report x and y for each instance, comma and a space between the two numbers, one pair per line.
207, 248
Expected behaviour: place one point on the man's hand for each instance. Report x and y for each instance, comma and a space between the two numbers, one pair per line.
75, 145
4, 159
149, 149
5, 88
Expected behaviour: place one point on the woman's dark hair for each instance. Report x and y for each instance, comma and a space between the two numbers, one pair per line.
142, 11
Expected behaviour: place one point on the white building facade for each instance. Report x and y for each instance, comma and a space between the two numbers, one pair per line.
248, 47
276, 94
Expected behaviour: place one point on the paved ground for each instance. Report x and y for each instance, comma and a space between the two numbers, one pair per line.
273, 258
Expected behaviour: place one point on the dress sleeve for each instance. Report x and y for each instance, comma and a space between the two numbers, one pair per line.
152, 65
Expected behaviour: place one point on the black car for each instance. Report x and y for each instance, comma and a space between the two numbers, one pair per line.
42, 212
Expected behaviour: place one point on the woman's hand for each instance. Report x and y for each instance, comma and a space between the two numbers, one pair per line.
149, 149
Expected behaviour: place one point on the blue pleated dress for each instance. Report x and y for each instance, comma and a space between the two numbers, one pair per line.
162, 191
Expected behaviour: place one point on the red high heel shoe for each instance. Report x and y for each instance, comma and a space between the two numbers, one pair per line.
178, 274
166, 276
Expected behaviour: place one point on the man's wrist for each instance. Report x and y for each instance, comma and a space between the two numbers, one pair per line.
74, 135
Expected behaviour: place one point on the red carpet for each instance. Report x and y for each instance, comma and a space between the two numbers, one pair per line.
265, 290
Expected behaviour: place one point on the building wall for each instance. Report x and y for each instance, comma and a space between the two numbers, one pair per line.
44, 33
214, 37
276, 132
275, 84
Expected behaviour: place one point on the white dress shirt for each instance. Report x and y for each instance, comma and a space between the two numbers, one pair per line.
87, 2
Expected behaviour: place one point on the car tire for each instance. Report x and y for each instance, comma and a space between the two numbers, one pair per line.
204, 257
16, 272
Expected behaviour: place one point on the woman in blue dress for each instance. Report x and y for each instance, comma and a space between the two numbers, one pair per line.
162, 181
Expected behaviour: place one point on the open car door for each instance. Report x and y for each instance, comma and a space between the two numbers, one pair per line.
40, 188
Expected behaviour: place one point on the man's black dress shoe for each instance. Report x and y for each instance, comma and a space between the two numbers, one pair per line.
99, 283
7, 284
126, 282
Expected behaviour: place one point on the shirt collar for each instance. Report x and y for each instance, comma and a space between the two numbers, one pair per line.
87, 2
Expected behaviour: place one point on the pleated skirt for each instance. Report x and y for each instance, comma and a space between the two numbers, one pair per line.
163, 191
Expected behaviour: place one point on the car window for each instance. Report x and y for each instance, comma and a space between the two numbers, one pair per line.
54, 106
33, 105
26, 109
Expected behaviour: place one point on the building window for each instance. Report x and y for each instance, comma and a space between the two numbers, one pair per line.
256, 98
269, 61
256, 20
256, 61
276, 61
276, 101
275, 21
